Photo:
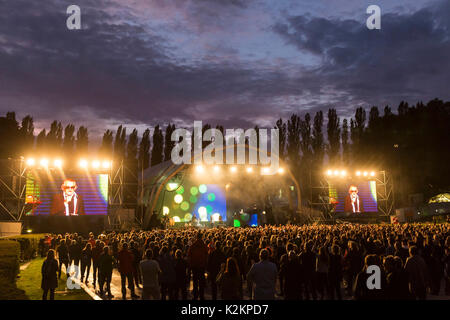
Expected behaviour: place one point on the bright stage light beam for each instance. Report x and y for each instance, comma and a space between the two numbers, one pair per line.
249, 170
31, 162
106, 164
44, 162
216, 169
329, 172
83, 163
266, 170
57, 163
358, 173
343, 173
95, 164
365, 174
199, 169
178, 198
336, 172
280, 170
233, 169
372, 174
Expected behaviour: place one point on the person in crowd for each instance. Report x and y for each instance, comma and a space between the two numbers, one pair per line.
167, 276
150, 274
63, 257
86, 257
215, 259
308, 262
322, 267
49, 275
96, 252
136, 261
230, 281
361, 290
335, 272
290, 272
181, 268
263, 275
105, 269
197, 257
417, 273
125, 259
75, 253
396, 279
353, 263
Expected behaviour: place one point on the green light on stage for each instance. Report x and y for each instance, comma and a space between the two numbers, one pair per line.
245, 217
194, 191
180, 190
184, 206
202, 188
236, 223
211, 197
208, 209
193, 199
187, 217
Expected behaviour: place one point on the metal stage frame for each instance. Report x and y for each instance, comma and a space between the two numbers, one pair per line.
12, 189
319, 194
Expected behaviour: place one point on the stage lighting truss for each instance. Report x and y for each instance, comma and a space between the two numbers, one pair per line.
235, 169
343, 173
58, 163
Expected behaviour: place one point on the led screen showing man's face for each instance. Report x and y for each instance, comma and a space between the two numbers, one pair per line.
353, 197
56, 195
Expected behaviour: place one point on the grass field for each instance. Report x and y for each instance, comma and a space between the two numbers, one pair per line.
30, 282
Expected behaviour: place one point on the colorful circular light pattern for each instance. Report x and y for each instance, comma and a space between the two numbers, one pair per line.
171, 186
194, 191
166, 210
211, 196
178, 198
184, 206
193, 199
180, 190
208, 209
203, 214
215, 217
202, 188
187, 217
176, 219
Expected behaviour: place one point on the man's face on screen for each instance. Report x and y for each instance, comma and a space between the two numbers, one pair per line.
69, 187
353, 191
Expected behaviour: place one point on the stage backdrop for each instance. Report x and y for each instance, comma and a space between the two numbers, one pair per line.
42, 187
367, 192
207, 202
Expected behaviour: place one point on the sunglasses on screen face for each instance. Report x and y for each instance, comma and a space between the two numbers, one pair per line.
70, 187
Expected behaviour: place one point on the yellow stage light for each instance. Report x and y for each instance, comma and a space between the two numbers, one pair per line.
199, 169
329, 172
358, 173
178, 198
280, 170
372, 174
95, 164
31, 162
233, 169
336, 172
83, 163
106, 164
249, 169
365, 174
266, 170
57, 163
44, 162
216, 168
166, 211
343, 173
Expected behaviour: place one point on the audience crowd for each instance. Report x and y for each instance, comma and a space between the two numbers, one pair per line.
270, 262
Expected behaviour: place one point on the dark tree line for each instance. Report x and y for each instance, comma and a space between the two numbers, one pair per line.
412, 144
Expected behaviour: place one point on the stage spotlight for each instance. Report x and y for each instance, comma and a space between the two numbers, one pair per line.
249, 169
57, 163
31, 162
280, 170
227, 186
199, 169
233, 169
266, 170
83, 163
176, 219
336, 172
372, 174
329, 172
343, 173
95, 164
216, 168
106, 164
365, 174
44, 162
166, 211
178, 198
358, 173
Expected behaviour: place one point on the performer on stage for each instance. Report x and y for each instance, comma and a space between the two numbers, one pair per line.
352, 201
67, 202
